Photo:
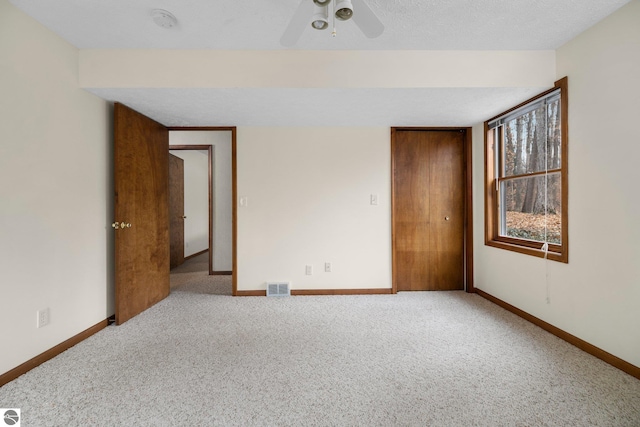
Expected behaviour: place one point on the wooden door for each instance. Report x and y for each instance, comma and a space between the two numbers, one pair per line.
176, 210
428, 209
141, 156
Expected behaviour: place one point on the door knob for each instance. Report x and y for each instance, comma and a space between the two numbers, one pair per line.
446, 218
117, 225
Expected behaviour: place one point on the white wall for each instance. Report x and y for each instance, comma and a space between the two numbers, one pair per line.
596, 296
196, 199
308, 193
55, 166
222, 197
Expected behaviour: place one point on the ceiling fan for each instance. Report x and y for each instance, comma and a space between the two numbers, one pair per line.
316, 13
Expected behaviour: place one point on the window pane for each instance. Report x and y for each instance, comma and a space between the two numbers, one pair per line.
554, 138
523, 209
532, 141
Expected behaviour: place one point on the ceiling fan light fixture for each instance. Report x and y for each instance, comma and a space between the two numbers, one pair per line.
319, 23
344, 10
320, 19
322, 3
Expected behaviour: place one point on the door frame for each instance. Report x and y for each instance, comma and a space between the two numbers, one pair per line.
467, 200
234, 192
176, 170
209, 150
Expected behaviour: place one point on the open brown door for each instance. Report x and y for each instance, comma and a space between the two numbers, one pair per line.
141, 150
176, 209
428, 209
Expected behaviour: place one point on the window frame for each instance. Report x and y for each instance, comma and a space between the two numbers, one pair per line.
492, 211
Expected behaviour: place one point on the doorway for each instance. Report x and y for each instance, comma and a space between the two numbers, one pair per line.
431, 209
191, 190
141, 211
220, 145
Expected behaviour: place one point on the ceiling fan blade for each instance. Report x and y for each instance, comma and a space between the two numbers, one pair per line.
301, 18
366, 19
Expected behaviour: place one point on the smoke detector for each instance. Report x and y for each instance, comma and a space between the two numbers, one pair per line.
163, 18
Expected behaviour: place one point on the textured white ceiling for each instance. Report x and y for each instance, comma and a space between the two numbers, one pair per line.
258, 25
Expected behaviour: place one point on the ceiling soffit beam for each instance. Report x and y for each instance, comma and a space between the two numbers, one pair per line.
117, 68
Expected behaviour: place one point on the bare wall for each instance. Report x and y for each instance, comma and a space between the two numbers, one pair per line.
597, 294
55, 192
306, 195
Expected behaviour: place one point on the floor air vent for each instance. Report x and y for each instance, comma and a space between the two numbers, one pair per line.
278, 289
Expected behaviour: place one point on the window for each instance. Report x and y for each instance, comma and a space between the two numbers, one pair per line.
526, 177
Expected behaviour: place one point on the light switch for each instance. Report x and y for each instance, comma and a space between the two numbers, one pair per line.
374, 199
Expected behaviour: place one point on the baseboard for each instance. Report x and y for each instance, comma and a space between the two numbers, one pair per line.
251, 294
220, 273
51, 353
571, 339
307, 292
302, 292
196, 254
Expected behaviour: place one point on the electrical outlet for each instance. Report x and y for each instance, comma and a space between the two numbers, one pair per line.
308, 270
327, 267
43, 317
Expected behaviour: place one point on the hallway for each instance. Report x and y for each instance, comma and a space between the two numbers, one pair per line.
193, 277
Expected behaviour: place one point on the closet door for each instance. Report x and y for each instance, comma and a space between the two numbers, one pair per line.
428, 209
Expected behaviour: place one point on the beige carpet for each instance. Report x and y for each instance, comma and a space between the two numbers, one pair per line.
193, 276
199, 358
